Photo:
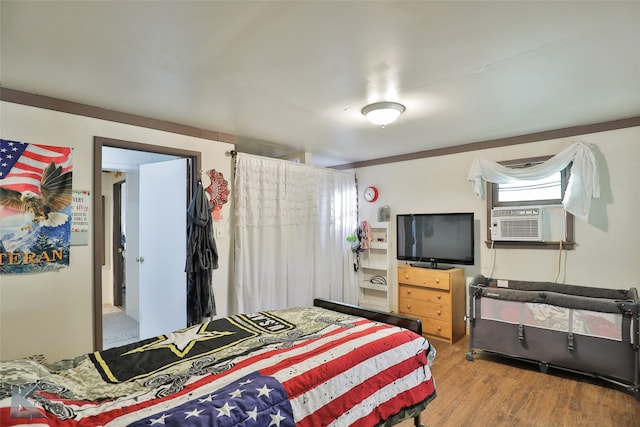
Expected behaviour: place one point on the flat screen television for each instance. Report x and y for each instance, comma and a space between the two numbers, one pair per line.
428, 239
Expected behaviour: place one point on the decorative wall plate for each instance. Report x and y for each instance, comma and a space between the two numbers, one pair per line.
218, 190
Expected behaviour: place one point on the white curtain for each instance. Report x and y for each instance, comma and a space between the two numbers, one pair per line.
583, 182
291, 227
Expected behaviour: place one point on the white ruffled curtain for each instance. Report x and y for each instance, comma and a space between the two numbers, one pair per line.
291, 227
583, 184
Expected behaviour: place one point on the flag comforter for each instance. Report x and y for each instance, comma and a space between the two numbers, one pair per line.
293, 367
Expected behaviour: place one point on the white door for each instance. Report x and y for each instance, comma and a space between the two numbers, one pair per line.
162, 253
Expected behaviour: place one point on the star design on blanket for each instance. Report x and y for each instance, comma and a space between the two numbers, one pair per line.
182, 341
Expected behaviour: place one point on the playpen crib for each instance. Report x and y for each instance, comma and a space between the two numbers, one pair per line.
593, 331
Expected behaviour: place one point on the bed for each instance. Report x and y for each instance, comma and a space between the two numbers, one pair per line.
588, 330
330, 364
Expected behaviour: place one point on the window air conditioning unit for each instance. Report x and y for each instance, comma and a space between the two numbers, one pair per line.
518, 223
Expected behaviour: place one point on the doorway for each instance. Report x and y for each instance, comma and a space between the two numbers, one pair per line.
118, 246
192, 168
118, 327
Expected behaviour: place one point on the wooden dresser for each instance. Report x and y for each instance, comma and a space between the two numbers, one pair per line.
437, 297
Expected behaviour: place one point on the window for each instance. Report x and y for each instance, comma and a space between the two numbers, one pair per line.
549, 188
547, 192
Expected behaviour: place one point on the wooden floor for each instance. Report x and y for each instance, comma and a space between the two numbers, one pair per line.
494, 391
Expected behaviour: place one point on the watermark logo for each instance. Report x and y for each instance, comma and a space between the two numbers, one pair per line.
20, 406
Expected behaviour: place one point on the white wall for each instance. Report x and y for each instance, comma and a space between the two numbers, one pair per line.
608, 245
52, 313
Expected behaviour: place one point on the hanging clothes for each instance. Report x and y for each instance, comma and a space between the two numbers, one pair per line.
364, 234
202, 258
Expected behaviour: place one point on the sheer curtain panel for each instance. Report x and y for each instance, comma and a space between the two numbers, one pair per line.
291, 227
583, 185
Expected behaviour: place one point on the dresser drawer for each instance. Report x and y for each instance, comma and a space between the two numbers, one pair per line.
424, 294
424, 277
433, 327
421, 308
437, 328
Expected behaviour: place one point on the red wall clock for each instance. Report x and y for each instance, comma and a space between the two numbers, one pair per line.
371, 194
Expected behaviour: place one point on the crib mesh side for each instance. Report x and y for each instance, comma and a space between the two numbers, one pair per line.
554, 317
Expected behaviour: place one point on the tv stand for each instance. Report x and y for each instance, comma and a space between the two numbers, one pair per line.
431, 265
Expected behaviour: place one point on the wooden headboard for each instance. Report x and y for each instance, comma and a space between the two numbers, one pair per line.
410, 323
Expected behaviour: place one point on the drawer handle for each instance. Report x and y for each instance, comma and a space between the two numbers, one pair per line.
439, 297
439, 312
437, 280
408, 306
439, 328
409, 291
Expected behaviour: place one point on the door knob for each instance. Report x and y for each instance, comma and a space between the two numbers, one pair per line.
140, 259
120, 250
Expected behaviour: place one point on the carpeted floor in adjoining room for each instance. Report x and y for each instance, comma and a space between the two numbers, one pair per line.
117, 328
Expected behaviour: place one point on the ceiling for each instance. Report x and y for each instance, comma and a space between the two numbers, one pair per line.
292, 76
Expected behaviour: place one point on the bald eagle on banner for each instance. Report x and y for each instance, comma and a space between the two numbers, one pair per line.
35, 207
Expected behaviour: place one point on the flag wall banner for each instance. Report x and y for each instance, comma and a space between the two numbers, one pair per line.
35, 207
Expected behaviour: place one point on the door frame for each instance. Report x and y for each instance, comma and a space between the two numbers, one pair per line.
193, 167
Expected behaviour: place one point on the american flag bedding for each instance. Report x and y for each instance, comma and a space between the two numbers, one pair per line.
294, 367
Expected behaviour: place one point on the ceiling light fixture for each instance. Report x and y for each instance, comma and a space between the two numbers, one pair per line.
383, 113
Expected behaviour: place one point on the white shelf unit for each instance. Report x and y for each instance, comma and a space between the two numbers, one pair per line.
374, 283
